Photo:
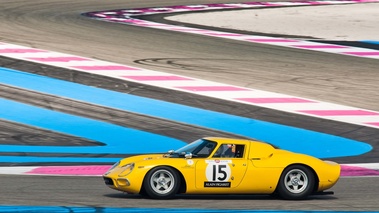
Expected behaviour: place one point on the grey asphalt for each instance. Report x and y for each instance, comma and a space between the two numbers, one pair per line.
351, 194
341, 22
58, 26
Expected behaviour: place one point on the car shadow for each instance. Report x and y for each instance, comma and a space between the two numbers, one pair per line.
217, 197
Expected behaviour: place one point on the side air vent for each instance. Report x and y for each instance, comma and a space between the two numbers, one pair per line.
108, 181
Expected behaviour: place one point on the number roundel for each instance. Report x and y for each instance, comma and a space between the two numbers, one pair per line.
218, 171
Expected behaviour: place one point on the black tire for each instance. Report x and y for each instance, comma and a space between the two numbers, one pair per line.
161, 183
296, 182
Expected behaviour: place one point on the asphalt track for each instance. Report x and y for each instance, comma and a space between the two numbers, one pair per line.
352, 194
50, 24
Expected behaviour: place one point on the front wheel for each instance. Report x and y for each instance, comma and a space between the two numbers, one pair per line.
296, 182
162, 183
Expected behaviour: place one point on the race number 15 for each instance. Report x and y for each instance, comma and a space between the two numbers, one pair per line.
218, 171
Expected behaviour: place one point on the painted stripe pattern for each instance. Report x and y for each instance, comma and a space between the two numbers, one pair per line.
372, 169
206, 88
125, 16
120, 138
243, 95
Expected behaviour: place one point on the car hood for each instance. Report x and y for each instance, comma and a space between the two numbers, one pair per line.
139, 158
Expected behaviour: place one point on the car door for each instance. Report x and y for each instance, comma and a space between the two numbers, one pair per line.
225, 169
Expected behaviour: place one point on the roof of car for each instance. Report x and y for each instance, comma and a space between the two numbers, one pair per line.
236, 140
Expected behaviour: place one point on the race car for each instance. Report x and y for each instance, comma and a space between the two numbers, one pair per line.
214, 165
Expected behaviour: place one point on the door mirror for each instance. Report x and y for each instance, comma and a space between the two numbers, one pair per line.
188, 155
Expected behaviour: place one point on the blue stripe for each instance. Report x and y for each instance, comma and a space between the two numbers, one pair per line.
290, 138
370, 41
23, 159
64, 209
116, 139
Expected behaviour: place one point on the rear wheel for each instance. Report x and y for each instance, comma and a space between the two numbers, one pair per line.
162, 183
296, 182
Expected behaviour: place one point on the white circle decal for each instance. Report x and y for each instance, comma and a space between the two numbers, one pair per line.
190, 162
218, 171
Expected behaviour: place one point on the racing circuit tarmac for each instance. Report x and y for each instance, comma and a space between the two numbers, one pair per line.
50, 24
351, 194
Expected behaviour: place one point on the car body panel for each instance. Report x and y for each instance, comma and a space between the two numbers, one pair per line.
254, 168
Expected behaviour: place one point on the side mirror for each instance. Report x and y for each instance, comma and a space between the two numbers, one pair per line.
188, 155
169, 153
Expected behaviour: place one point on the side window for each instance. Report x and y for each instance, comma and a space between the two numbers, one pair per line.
230, 151
239, 151
206, 150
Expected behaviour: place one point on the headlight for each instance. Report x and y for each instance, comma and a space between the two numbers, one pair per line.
330, 162
114, 166
126, 169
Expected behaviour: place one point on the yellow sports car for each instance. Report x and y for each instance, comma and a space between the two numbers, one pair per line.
223, 166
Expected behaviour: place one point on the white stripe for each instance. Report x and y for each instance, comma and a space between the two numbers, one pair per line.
16, 170
374, 166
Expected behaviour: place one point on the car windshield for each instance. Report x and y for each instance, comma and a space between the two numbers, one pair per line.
199, 148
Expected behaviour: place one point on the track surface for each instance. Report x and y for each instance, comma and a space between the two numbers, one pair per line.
354, 194
57, 25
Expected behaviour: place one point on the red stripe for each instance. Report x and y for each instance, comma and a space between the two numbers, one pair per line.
270, 40
274, 100
157, 78
213, 88
71, 170
373, 123
106, 67
222, 34
319, 46
362, 53
20, 50
59, 59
